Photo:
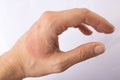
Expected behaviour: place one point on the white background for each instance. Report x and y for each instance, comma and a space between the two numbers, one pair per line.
17, 16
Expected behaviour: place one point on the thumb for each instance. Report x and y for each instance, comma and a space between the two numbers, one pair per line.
82, 53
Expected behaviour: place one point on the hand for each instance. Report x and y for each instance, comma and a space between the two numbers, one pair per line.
37, 51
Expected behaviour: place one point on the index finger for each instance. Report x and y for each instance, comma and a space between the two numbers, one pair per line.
77, 16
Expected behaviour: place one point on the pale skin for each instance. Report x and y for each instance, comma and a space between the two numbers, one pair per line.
37, 52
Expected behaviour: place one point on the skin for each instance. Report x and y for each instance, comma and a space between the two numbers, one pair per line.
37, 52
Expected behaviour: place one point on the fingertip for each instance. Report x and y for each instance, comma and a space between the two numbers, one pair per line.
107, 28
88, 33
110, 30
99, 49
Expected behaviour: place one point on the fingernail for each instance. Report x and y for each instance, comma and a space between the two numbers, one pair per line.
99, 49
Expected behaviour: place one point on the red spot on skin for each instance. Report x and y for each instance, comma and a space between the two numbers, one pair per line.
35, 45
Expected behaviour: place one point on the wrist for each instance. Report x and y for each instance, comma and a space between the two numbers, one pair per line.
10, 67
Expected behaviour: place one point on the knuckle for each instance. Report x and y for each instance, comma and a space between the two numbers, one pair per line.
85, 11
86, 53
48, 14
83, 54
